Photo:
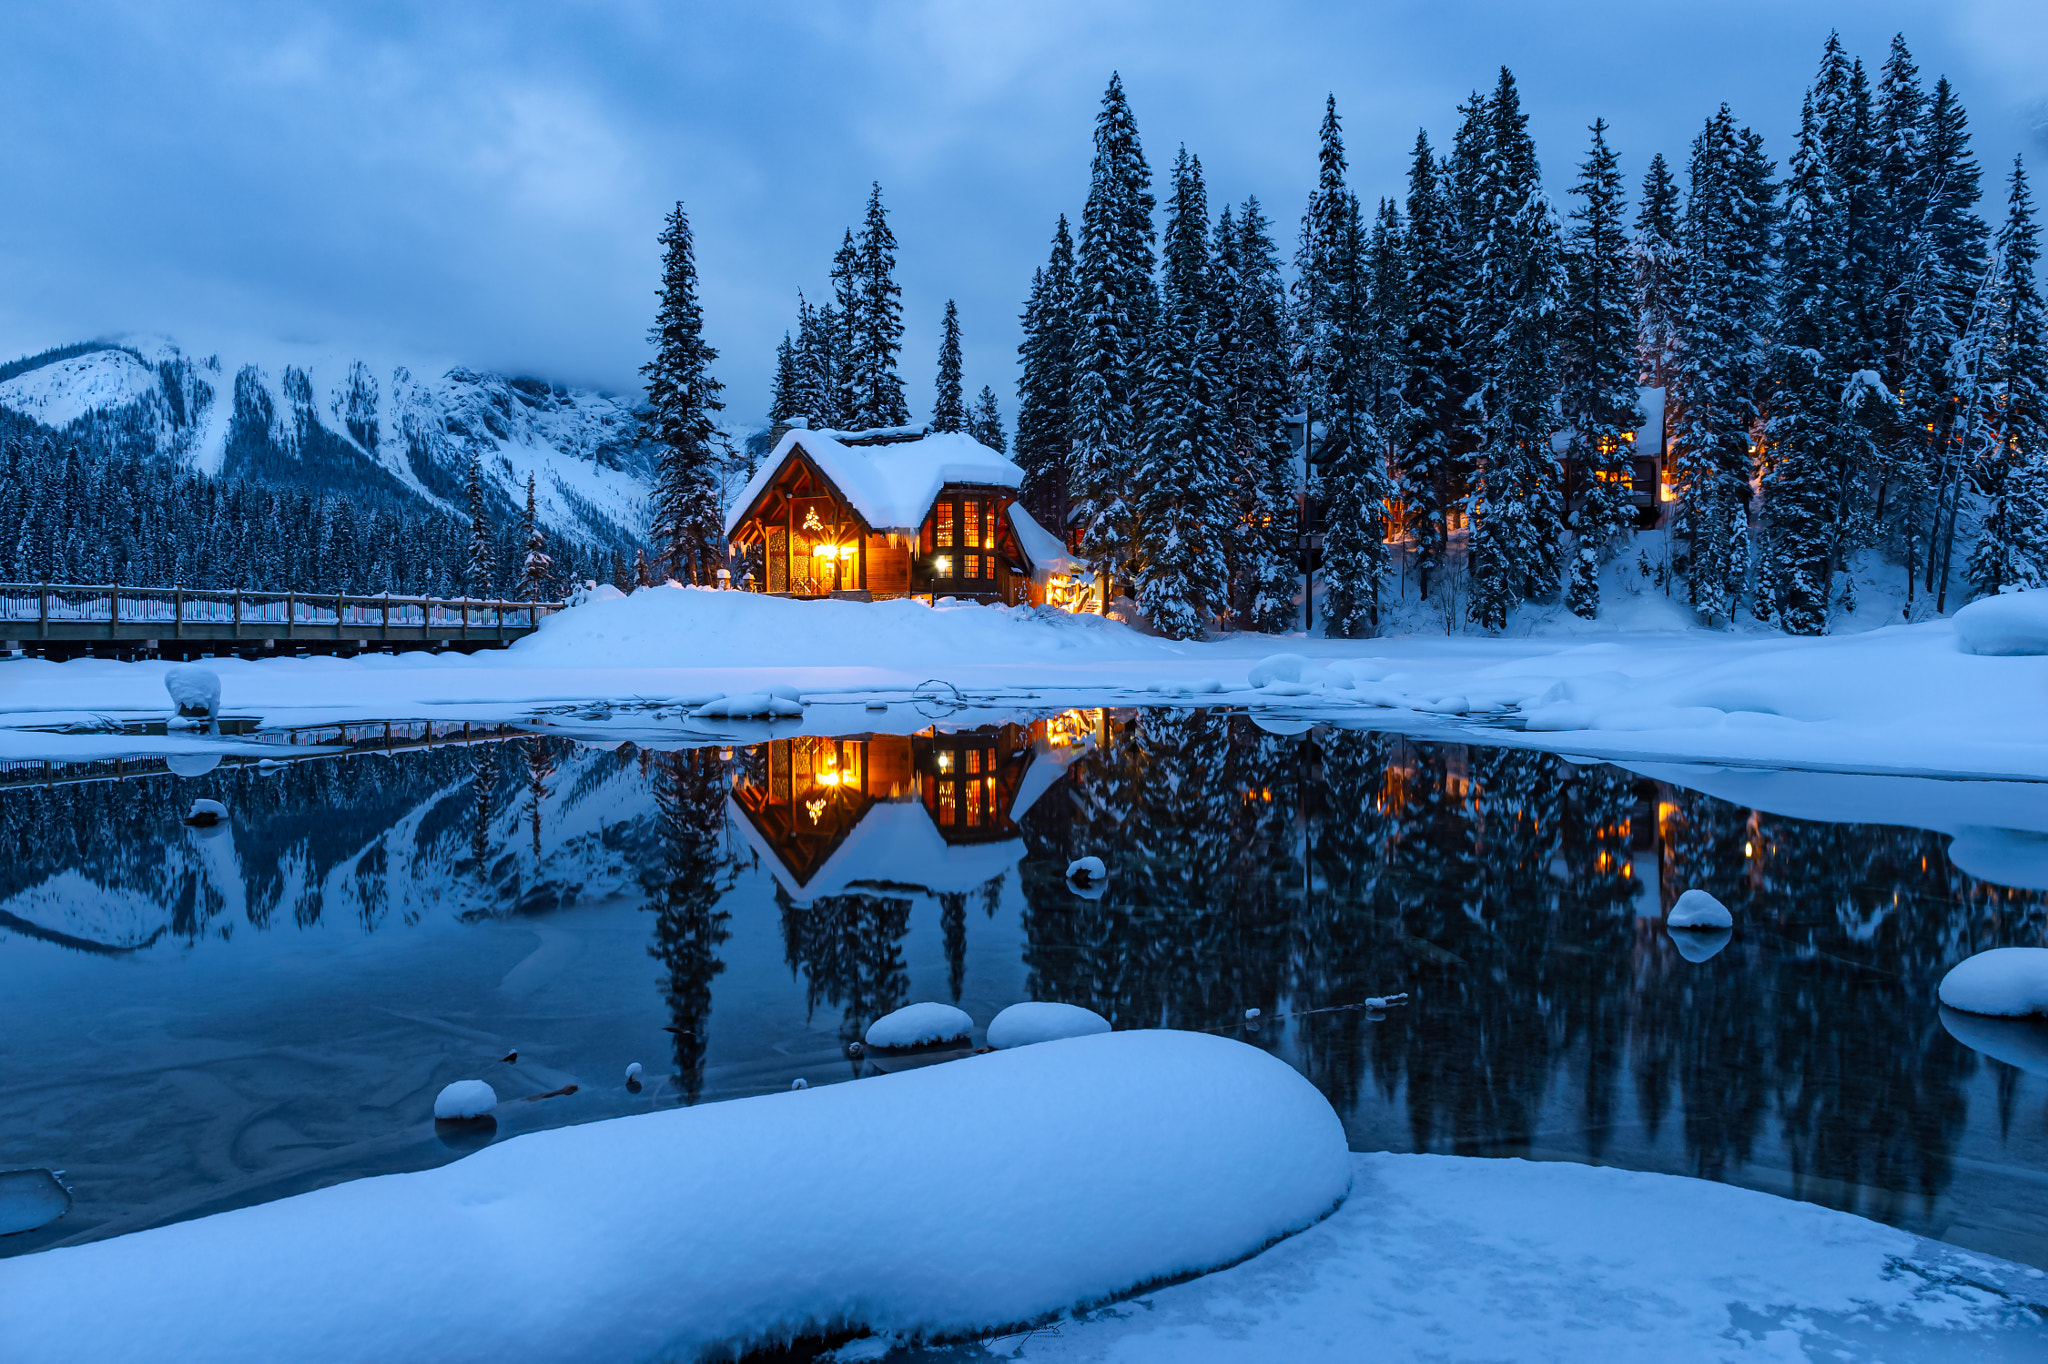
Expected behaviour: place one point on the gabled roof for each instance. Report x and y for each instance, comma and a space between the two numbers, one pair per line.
1042, 549
892, 486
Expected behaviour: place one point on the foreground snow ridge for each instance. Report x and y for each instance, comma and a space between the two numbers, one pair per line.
990, 1191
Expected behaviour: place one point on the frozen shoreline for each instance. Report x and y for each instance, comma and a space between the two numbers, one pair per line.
1897, 701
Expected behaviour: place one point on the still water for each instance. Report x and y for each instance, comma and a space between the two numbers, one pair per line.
197, 1019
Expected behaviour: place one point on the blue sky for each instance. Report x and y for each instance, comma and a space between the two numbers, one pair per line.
484, 183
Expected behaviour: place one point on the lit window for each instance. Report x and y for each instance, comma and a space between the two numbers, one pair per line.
973, 568
942, 527
970, 514
942, 566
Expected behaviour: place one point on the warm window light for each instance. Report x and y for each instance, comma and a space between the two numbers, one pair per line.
945, 762
828, 779
848, 551
821, 549
942, 566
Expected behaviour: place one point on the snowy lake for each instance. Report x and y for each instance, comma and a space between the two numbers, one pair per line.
196, 1019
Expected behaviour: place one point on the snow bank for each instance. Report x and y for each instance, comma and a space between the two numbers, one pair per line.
1464, 1258
1021, 1025
746, 704
1697, 909
194, 690
920, 1025
989, 1191
463, 1100
2013, 623
2005, 980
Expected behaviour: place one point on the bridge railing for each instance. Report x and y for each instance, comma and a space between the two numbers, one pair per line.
171, 610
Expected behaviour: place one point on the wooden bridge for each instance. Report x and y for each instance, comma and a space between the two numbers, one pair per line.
63, 619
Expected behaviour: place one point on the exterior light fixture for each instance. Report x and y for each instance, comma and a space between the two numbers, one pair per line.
942, 566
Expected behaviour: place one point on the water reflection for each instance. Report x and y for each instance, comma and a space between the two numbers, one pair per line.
1516, 897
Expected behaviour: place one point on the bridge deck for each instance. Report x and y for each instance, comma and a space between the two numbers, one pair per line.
65, 612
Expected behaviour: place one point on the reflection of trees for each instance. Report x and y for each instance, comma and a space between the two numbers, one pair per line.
849, 951
1518, 898
684, 887
953, 928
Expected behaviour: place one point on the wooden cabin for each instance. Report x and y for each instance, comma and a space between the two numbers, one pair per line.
875, 515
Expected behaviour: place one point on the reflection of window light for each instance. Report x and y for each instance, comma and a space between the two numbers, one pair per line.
828, 779
815, 808
945, 761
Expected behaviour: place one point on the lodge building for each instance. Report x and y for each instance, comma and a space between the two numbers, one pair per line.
873, 515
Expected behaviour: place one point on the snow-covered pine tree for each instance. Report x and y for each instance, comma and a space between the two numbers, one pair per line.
1517, 513
985, 421
818, 379
1252, 303
1803, 467
875, 327
1332, 386
1597, 394
538, 569
1659, 278
1112, 316
1385, 270
1186, 507
2012, 468
1726, 237
1900, 153
1045, 390
480, 570
1426, 446
785, 391
688, 515
840, 317
949, 406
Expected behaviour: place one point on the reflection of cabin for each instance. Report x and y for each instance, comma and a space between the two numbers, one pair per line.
893, 514
931, 811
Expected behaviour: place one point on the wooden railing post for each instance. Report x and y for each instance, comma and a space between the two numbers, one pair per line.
501, 622
178, 612
43, 616
235, 628
291, 615
114, 612
339, 613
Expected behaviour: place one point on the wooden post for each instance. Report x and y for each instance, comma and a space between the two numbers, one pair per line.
501, 622
114, 612
387, 618
291, 615
43, 618
235, 628
178, 612
339, 612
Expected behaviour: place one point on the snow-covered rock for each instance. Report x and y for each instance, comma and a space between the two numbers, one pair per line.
1020, 1025
747, 705
961, 1198
463, 1100
920, 1025
1086, 870
2008, 624
194, 690
2010, 981
2020, 1042
1697, 909
206, 813
1276, 668
30, 1199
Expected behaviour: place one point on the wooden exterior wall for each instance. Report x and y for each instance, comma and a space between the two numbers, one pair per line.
968, 548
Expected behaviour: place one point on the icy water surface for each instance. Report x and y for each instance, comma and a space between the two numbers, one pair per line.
192, 1020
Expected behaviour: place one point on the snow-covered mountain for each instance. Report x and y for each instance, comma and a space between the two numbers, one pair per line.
335, 423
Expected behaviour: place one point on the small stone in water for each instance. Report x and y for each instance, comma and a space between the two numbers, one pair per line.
463, 1100
1251, 1013
799, 1083
632, 1072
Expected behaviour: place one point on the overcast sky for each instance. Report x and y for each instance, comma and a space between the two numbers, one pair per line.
484, 182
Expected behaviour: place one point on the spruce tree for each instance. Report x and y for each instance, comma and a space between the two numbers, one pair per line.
785, 391
875, 326
1045, 389
1432, 399
1332, 385
1597, 396
480, 569
1252, 306
1660, 279
1185, 500
1727, 238
985, 421
949, 407
688, 514
1517, 515
538, 568
1112, 316
2012, 414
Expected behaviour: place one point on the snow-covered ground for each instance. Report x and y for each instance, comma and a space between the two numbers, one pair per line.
991, 1191
1453, 1258
1903, 699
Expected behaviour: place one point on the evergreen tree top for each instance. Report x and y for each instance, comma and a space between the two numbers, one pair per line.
1658, 216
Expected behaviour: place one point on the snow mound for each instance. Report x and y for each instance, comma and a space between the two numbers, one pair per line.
2007, 981
194, 690
745, 705
960, 1198
1276, 668
919, 1025
2013, 623
1086, 869
1697, 909
1021, 1025
463, 1100
206, 812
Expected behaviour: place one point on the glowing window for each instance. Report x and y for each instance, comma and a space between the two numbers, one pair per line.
970, 513
942, 527
942, 566
973, 568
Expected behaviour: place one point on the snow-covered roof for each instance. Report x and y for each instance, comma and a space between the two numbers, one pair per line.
892, 487
1042, 549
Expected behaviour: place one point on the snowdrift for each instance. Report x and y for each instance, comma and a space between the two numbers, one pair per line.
976, 1194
